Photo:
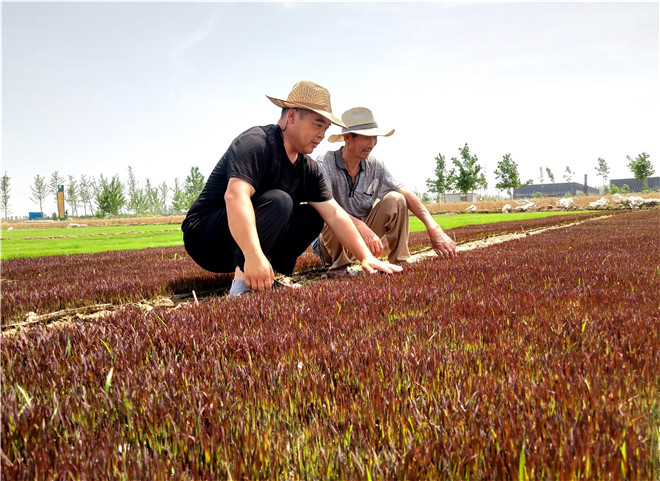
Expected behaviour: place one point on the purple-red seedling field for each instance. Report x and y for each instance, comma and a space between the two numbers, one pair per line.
47, 284
536, 358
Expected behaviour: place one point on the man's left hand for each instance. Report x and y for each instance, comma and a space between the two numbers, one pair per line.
442, 244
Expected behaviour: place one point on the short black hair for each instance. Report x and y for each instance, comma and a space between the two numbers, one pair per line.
301, 111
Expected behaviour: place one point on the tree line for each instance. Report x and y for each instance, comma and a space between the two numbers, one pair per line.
87, 196
466, 174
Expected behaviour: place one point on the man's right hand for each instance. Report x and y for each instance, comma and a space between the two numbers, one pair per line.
258, 272
372, 265
373, 242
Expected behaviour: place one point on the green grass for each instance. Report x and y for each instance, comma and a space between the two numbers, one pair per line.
459, 220
83, 240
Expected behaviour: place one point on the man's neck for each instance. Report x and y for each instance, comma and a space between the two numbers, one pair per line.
351, 162
291, 151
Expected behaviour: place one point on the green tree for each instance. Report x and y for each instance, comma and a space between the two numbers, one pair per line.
541, 175
5, 193
110, 197
568, 174
551, 176
178, 200
440, 183
642, 168
86, 193
137, 202
163, 190
425, 197
467, 175
72, 195
55, 181
192, 187
603, 171
507, 172
39, 191
151, 194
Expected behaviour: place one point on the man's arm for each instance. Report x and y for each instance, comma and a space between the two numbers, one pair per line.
443, 245
258, 272
374, 243
342, 226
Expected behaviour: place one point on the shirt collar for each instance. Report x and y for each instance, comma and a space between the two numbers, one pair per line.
339, 161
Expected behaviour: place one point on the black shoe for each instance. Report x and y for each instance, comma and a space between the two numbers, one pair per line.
316, 248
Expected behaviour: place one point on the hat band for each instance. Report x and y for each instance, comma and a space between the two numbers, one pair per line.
370, 125
310, 105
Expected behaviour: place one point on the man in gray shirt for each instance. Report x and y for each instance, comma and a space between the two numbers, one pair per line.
376, 202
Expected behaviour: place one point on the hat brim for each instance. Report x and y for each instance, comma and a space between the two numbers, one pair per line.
365, 132
297, 105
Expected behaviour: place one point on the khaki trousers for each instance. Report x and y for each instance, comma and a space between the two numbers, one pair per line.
388, 218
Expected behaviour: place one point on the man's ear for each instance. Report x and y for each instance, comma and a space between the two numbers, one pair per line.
292, 116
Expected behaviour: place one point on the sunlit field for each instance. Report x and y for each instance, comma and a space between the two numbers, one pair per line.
534, 358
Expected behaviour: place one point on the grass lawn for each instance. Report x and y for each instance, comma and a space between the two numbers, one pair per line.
459, 220
83, 240
86, 240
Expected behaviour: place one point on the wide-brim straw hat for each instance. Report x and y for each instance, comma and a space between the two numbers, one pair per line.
361, 121
310, 96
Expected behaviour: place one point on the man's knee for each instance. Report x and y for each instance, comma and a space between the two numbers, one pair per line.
394, 201
275, 200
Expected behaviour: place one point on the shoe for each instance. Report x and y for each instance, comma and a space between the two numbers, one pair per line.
238, 288
286, 281
316, 248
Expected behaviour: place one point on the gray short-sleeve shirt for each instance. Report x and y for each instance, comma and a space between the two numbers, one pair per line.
372, 182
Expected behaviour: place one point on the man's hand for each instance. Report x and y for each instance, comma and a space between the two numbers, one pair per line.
373, 242
372, 265
442, 244
259, 274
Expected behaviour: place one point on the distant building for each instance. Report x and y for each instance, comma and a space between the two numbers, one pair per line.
559, 189
460, 197
635, 185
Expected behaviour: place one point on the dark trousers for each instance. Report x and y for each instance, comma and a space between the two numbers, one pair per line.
284, 231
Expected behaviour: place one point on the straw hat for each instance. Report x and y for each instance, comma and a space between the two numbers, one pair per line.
359, 120
310, 96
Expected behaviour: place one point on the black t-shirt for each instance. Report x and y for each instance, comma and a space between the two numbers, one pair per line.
258, 157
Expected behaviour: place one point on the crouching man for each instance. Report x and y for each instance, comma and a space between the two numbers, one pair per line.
266, 199
377, 203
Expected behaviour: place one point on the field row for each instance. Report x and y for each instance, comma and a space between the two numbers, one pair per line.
55, 283
537, 358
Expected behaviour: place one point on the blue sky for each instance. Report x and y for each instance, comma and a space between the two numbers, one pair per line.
93, 88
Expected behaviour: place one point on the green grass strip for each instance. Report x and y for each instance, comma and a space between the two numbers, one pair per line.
450, 221
85, 240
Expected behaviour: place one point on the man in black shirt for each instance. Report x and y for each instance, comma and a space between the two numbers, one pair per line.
266, 199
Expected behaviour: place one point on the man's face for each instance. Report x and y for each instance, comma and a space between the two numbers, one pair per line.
310, 129
360, 146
